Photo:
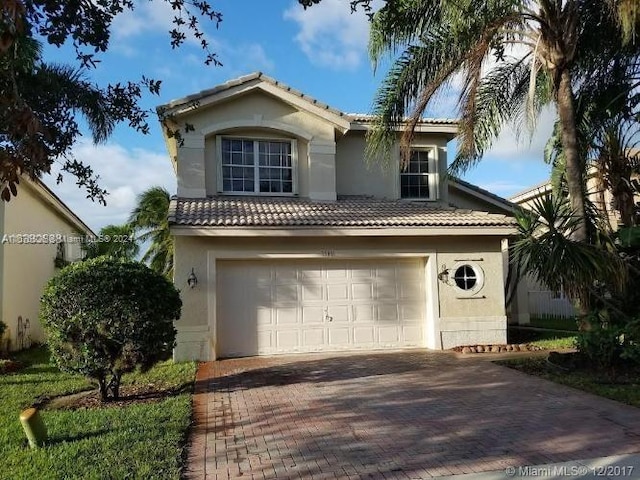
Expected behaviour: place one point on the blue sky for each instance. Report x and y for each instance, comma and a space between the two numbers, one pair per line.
321, 51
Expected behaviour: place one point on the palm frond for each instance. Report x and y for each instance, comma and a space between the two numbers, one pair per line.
546, 250
79, 94
150, 220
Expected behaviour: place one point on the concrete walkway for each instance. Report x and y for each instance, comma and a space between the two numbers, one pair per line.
411, 414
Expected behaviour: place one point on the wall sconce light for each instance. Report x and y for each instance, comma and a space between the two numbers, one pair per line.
443, 276
192, 280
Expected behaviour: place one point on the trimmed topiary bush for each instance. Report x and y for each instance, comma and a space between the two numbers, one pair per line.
105, 317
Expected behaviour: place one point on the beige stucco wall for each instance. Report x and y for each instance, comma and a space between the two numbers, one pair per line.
460, 320
27, 268
256, 114
356, 176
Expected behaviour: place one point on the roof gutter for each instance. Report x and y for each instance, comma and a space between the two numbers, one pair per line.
440, 231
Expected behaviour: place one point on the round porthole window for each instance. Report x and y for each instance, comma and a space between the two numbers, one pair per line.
468, 277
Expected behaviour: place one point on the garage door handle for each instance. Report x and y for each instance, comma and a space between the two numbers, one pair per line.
328, 318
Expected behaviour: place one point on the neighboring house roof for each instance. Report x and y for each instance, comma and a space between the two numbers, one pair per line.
363, 121
368, 212
531, 193
481, 193
354, 121
47, 195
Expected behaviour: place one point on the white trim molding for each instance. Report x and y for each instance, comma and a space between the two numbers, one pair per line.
257, 122
342, 232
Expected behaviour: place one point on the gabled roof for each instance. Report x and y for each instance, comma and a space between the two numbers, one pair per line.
258, 80
481, 193
531, 192
50, 198
347, 121
347, 212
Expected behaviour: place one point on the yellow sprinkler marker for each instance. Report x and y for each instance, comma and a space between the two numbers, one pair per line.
34, 427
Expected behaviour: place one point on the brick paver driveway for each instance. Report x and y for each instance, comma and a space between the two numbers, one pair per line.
411, 414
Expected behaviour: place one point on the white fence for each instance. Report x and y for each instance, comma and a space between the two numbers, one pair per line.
549, 304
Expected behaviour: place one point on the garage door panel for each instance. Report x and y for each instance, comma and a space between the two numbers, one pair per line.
286, 294
313, 337
334, 272
411, 313
264, 317
285, 275
362, 291
262, 294
359, 272
337, 292
286, 316
387, 313
339, 336
287, 340
386, 291
266, 307
364, 313
412, 336
338, 313
311, 272
266, 342
312, 293
312, 315
388, 335
411, 292
364, 336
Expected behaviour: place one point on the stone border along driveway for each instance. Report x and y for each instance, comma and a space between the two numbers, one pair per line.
409, 414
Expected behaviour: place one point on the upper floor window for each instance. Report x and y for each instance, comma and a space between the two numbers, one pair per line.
257, 165
417, 178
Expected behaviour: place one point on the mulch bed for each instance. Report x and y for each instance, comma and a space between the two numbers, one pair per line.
9, 366
129, 395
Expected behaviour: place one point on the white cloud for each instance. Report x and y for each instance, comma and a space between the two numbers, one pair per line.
512, 147
504, 188
243, 57
330, 35
145, 17
123, 172
157, 17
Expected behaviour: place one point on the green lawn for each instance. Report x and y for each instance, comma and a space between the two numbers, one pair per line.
545, 339
589, 381
142, 441
554, 323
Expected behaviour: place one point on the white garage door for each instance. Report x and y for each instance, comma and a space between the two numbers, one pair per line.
286, 306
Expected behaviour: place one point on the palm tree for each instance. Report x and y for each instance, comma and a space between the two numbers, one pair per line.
559, 44
35, 124
116, 241
546, 248
150, 220
608, 138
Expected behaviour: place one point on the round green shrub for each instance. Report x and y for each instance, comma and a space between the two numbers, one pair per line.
104, 317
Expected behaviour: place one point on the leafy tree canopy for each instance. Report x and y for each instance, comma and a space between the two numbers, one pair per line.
40, 102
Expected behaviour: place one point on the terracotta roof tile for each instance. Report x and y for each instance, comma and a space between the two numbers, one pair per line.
352, 117
230, 211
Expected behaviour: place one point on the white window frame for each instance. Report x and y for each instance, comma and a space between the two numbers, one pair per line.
256, 178
433, 175
477, 269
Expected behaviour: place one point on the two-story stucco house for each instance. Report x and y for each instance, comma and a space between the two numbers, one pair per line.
36, 228
298, 245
